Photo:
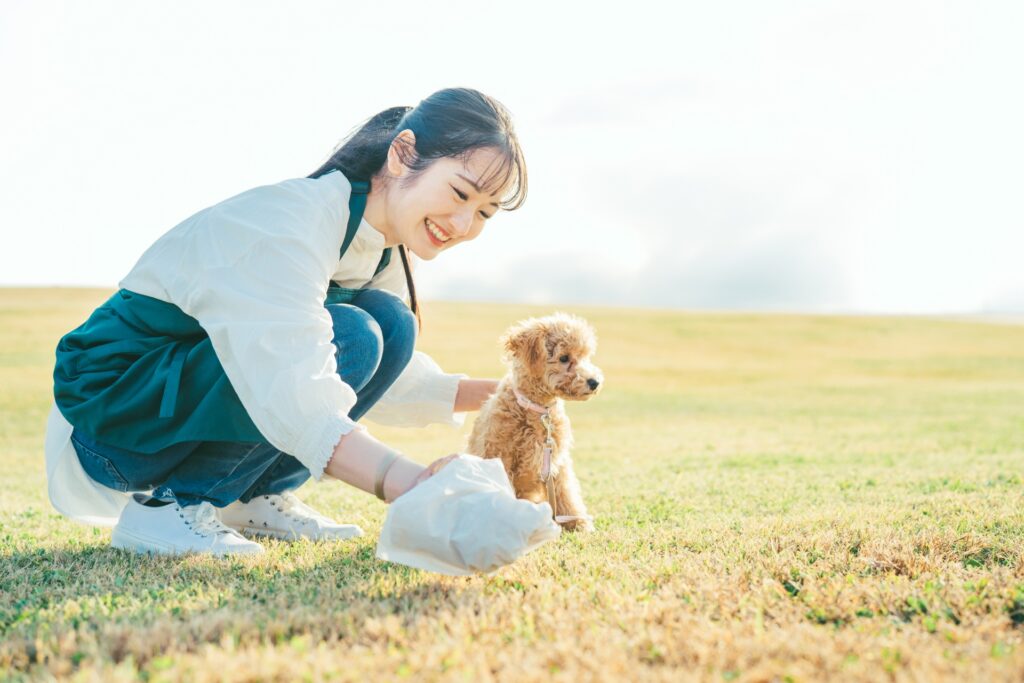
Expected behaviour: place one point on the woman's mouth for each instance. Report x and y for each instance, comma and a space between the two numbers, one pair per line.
437, 236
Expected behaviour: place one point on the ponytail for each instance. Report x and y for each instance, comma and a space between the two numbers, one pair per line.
364, 150
413, 304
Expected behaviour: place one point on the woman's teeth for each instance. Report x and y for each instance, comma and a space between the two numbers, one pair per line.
438, 234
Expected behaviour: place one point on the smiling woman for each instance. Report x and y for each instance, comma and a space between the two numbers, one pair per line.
246, 344
439, 171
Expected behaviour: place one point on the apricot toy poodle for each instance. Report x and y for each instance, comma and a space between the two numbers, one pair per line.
524, 422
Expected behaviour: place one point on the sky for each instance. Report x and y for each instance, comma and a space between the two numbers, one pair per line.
833, 157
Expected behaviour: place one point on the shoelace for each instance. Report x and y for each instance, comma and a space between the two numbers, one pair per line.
204, 521
295, 509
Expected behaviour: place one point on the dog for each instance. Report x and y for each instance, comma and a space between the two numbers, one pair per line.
524, 421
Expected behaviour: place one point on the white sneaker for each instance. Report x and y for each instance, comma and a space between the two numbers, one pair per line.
172, 529
286, 517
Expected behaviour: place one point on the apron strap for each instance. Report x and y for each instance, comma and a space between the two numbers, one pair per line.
170, 397
385, 259
356, 207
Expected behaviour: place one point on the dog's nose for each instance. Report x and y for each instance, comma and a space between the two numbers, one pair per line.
593, 383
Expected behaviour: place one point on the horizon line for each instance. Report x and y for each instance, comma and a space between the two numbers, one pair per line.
988, 315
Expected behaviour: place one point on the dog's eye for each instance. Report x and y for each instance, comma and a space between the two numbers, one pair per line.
563, 358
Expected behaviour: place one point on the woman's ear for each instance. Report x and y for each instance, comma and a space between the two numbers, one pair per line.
401, 152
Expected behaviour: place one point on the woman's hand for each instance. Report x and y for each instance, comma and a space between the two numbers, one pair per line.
357, 458
432, 469
473, 392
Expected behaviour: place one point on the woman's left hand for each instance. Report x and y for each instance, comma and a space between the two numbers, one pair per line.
473, 393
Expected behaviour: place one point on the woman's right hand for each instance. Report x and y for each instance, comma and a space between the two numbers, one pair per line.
432, 469
357, 459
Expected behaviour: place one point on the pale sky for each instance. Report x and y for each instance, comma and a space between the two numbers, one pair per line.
806, 156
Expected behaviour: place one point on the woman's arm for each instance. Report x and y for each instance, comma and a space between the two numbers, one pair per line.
473, 393
358, 457
424, 394
253, 270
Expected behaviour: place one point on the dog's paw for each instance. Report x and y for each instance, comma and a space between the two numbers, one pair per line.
579, 525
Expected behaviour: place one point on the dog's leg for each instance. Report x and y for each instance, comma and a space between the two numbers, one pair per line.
569, 499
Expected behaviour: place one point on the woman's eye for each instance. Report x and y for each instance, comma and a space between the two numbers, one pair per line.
563, 359
463, 196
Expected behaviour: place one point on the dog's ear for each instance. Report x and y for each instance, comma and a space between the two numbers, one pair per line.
526, 341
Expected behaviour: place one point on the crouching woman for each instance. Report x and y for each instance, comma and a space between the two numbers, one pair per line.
242, 350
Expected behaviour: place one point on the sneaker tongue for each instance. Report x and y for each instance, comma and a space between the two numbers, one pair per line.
293, 504
204, 519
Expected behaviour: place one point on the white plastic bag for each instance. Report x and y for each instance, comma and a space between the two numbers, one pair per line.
464, 519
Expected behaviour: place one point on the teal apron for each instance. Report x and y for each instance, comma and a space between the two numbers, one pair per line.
142, 375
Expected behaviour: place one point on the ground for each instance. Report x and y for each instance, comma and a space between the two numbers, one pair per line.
776, 497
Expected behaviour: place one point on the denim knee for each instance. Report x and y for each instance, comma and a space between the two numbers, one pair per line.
360, 344
397, 323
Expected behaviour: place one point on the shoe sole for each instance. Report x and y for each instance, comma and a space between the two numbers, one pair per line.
291, 535
126, 540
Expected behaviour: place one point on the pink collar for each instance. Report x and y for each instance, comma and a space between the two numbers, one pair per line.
528, 404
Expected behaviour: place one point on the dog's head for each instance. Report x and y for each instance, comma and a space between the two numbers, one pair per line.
552, 354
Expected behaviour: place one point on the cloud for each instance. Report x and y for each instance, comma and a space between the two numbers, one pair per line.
780, 272
1008, 301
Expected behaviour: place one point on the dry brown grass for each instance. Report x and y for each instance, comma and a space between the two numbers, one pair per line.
777, 498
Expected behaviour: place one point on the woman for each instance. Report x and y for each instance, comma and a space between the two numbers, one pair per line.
246, 343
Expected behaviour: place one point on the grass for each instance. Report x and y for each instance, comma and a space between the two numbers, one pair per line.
777, 498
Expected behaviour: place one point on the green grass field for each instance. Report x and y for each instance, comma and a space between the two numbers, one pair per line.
776, 498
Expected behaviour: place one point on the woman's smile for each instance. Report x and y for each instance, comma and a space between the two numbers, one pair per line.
437, 236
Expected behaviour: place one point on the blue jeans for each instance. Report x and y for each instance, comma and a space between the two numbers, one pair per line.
374, 336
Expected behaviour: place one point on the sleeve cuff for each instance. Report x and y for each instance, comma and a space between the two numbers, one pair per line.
440, 396
317, 445
422, 395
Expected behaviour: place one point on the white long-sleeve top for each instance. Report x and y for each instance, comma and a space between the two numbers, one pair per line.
253, 270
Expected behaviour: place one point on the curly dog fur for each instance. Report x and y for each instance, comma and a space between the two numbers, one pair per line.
548, 360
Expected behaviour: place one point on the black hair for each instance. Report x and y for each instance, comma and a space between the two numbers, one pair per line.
453, 122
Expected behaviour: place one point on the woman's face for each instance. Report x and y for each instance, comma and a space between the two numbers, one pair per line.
443, 206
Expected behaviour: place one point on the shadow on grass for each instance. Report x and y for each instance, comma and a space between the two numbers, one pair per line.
109, 605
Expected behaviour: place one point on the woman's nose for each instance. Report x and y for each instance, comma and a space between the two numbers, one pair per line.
461, 223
